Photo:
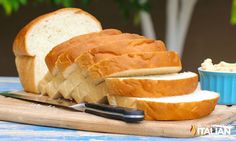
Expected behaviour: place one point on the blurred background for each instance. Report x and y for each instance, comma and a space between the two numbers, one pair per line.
197, 29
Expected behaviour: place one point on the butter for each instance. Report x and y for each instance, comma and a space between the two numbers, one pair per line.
221, 67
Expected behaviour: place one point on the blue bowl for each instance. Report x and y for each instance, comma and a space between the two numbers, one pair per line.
222, 82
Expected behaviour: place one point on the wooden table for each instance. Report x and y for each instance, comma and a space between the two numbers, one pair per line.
16, 131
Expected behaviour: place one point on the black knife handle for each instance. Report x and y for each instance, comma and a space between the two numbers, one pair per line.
114, 112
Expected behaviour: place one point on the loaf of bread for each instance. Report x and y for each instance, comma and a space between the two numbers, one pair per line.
80, 44
109, 50
37, 38
147, 64
76, 60
65, 61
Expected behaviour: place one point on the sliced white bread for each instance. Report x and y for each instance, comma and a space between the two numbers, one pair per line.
136, 64
106, 51
195, 105
37, 38
153, 63
86, 91
65, 61
75, 42
81, 44
44, 82
93, 56
153, 86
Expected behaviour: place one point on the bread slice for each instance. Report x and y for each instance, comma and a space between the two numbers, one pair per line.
38, 37
195, 105
153, 86
89, 89
87, 59
136, 64
52, 57
75, 42
109, 50
44, 82
66, 59
86, 91
80, 44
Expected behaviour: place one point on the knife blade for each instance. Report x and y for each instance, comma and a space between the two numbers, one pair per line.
104, 110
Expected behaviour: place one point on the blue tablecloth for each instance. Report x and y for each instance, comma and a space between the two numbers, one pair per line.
16, 131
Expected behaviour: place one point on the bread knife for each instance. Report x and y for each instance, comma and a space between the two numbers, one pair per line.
108, 111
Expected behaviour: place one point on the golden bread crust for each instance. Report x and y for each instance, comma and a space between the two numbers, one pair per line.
134, 61
75, 42
25, 66
167, 111
93, 56
151, 88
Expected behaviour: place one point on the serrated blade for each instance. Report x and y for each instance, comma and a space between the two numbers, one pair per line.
38, 98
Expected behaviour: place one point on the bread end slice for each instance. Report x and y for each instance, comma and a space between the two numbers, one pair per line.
38, 37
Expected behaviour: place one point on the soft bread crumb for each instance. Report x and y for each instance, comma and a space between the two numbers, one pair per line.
174, 76
198, 95
37, 38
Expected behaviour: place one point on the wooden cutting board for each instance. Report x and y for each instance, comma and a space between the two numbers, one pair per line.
33, 113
